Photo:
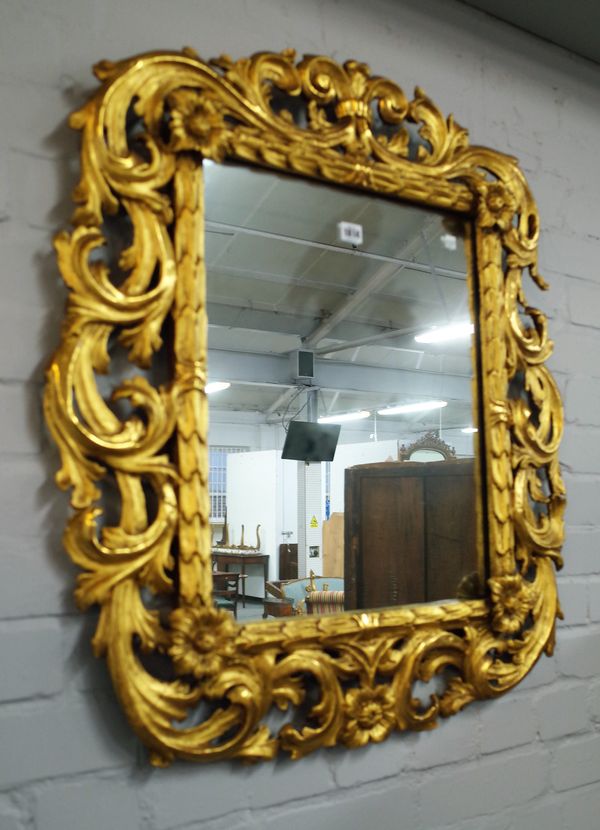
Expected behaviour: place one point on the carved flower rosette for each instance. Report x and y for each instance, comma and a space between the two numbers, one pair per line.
348, 678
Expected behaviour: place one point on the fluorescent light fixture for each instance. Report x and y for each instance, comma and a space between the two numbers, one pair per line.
216, 386
422, 406
343, 417
469, 430
441, 334
448, 240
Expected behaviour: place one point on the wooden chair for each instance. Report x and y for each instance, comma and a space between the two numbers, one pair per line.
226, 590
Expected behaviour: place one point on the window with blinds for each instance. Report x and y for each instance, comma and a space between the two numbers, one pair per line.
217, 479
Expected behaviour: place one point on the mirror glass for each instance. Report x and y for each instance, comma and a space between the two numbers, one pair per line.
340, 330
426, 455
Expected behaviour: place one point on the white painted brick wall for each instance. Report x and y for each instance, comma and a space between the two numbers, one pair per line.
574, 600
580, 808
67, 757
24, 645
469, 790
562, 709
576, 763
578, 652
583, 551
455, 742
582, 401
376, 762
46, 739
593, 585
509, 723
92, 803
389, 808
36, 565
542, 674
540, 817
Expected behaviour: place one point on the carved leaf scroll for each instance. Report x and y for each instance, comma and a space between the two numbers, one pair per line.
350, 677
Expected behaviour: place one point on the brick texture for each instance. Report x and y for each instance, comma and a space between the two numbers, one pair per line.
68, 759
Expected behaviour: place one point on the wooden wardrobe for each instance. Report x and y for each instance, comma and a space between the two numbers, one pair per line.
410, 532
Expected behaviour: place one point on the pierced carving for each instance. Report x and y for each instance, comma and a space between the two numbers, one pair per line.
429, 441
341, 124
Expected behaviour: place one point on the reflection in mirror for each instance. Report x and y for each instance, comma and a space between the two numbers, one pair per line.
426, 455
329, 306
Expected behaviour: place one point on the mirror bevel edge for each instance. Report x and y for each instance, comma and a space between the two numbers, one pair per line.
364, 662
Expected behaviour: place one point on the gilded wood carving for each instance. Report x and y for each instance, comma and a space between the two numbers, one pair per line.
429, 441
144, 134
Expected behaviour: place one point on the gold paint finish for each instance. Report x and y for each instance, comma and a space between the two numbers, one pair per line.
363, 665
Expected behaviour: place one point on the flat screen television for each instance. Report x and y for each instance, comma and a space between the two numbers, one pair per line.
310, 442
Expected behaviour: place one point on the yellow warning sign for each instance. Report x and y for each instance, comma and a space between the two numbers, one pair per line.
314, 522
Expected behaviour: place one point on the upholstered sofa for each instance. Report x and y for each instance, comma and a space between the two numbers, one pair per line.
313, 594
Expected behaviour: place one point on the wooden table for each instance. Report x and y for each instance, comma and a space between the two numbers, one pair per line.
223, 559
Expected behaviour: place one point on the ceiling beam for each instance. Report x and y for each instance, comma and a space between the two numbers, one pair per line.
368, 287
282, 400
224, 227
230, 316
365, 341
334, 375
349, 304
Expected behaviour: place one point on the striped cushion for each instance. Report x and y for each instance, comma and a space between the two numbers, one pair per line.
325, 602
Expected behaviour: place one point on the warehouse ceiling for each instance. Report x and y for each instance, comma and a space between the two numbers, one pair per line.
279, 279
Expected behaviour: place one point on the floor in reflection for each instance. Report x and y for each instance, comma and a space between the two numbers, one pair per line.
252, 611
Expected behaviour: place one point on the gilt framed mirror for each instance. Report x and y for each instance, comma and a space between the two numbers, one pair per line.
298, 242
431, 447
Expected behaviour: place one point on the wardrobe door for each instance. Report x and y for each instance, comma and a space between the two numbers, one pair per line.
450, 530
391, 534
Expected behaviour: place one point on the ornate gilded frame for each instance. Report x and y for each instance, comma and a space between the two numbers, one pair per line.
429, 441
347, 678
